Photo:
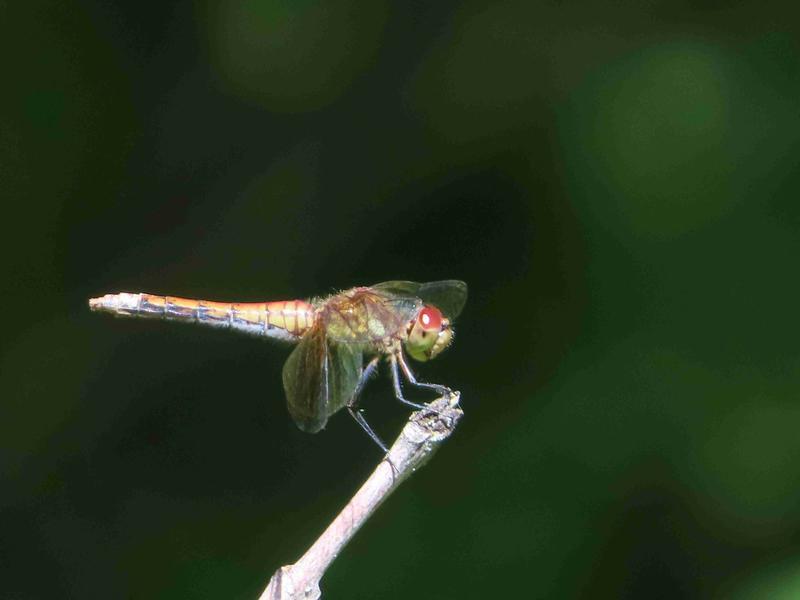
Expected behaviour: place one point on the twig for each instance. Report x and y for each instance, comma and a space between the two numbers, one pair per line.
421, 436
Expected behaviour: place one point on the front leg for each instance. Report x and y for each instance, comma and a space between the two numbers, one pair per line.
396, 359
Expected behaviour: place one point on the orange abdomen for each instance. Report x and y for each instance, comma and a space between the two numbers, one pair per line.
286, 319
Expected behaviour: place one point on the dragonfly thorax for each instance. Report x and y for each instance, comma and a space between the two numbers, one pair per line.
428, 334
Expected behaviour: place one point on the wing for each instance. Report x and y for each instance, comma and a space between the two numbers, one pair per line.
319, 377
448, 295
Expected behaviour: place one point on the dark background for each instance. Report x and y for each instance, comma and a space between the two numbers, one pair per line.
617, 182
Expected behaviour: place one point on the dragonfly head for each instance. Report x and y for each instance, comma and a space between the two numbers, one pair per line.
428, 334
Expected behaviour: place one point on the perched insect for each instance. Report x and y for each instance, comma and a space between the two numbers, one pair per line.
340, 339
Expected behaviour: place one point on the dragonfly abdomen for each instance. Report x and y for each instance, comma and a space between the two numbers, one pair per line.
288, 319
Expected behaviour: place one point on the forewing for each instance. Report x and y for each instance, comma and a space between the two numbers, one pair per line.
319, 377
448, 295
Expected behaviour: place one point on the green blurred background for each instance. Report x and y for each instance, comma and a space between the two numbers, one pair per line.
617, 182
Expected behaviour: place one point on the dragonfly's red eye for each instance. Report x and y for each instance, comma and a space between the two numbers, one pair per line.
430, 318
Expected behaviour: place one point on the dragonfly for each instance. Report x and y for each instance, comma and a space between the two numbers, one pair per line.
340, 338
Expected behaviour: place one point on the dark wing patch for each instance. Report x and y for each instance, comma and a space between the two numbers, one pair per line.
304, 382
448, 295
319, 377
345, 365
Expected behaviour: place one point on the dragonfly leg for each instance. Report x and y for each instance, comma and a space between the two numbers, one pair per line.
352, 404
365, 426
368, 371
398, 359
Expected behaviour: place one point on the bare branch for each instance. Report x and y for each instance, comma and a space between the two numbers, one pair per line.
421, 436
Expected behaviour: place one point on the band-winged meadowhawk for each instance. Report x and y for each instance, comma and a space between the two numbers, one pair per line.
340, 339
